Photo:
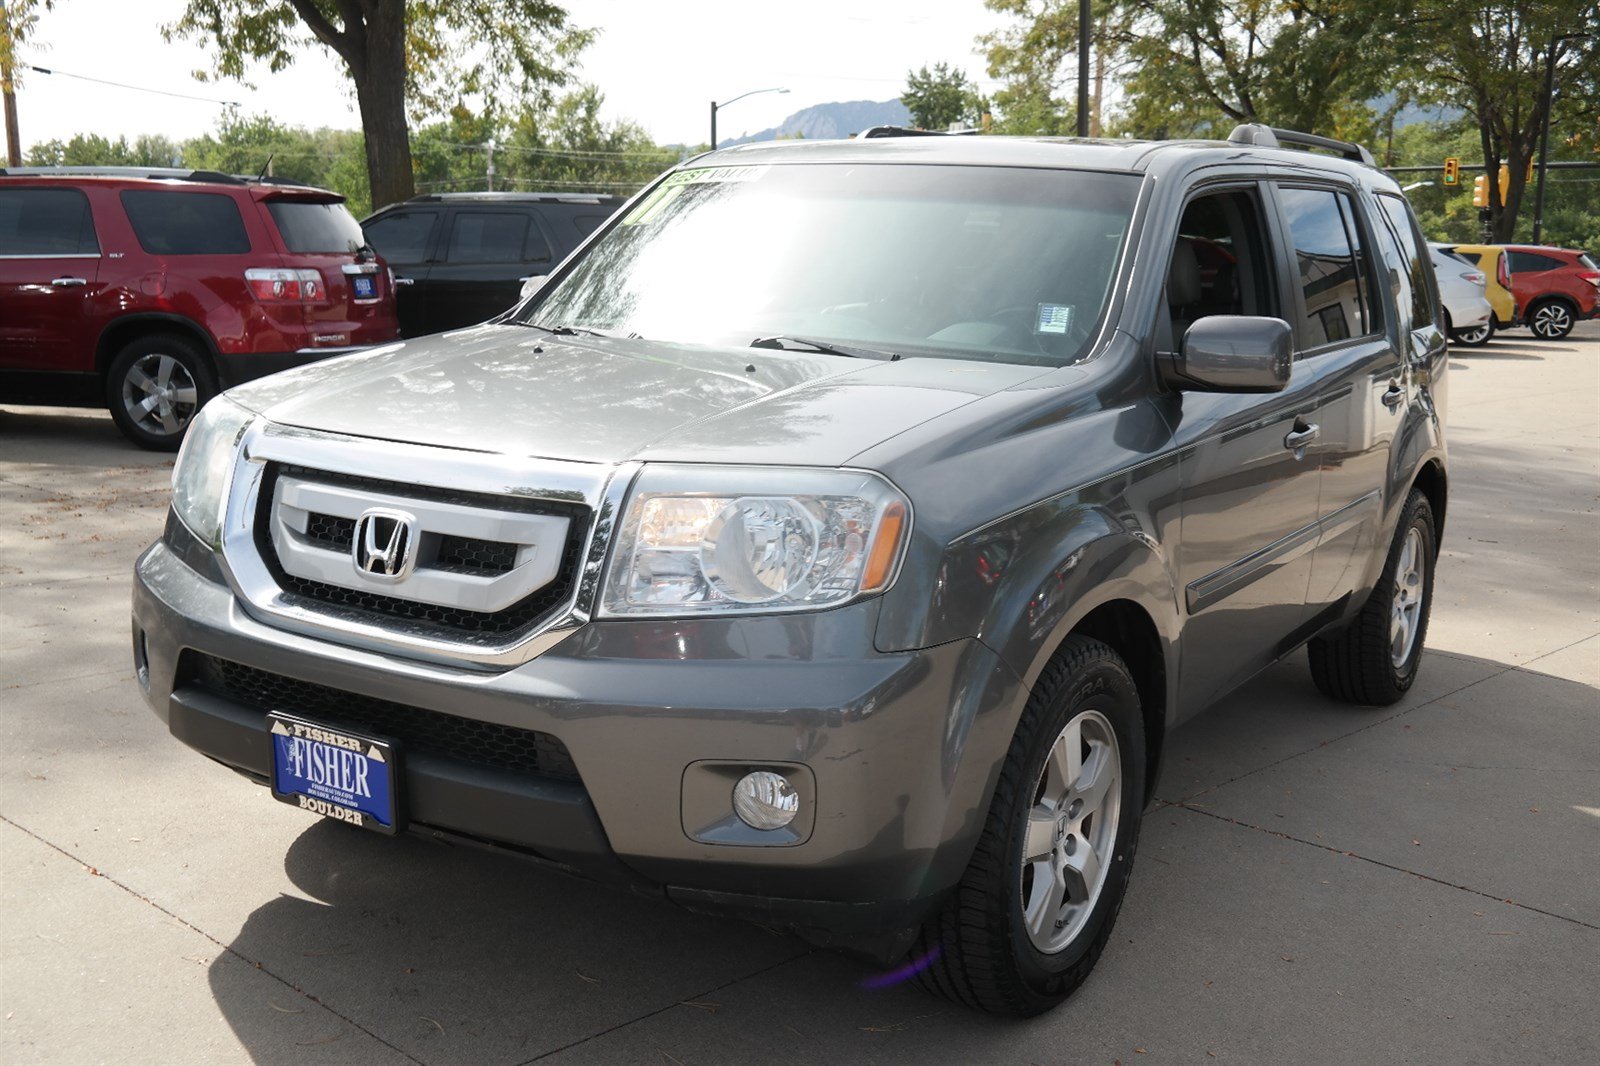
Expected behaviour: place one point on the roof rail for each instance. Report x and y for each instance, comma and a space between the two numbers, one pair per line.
907, 131
1254, 133
156, 173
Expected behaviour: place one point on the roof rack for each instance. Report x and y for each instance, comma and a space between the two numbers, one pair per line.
1254, 133
153, 173
907, 131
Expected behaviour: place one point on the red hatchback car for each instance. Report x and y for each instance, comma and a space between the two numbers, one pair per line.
148, 291
1555, 288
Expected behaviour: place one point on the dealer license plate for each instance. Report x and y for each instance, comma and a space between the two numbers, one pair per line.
350, 777
364, 285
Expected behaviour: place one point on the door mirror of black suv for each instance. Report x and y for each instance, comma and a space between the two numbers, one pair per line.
1233, 353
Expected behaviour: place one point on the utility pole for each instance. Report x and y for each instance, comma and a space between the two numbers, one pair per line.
489, 173
1083, 67
8, 88
1556, 42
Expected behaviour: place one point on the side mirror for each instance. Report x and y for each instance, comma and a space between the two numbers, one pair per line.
530, 285
1232, 353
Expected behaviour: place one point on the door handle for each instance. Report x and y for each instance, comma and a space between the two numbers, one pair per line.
67, 283
1297, 439
1394, 397
398, 280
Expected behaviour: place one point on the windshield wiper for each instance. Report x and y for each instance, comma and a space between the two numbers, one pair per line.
560, 331
789, 344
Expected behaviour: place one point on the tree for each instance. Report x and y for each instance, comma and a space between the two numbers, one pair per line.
93, 150
937, 98
405, 58
17, 20
1489, 60
1032, 56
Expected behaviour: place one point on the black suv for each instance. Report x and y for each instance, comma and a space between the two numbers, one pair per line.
460, 258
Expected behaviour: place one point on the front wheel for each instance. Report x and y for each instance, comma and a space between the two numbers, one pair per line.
1551, 319
1373, 660
154, 387
1038, 900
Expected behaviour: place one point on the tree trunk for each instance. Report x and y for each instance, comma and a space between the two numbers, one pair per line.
13, 136
381, 97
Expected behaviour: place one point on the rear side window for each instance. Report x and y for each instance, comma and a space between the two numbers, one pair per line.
312, 227
1398, 214
1586, 261
46, 222
186, 223
488, 237
1332, 270
1532, 263
402, 237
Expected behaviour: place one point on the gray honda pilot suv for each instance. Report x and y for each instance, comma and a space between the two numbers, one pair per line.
836, 537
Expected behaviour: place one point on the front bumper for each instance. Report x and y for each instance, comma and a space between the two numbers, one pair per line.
901, 748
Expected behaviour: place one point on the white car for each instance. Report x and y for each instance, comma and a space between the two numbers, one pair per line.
1469, 319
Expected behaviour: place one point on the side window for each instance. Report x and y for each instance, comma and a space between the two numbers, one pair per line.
46, 222
487, 237
1530, 263
1219, 262
402, 237
1398, 214
1332, 271
536, 249
186, 223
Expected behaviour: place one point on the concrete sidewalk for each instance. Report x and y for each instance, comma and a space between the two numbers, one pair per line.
1319, 883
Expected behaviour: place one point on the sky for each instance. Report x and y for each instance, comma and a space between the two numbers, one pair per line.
658, 62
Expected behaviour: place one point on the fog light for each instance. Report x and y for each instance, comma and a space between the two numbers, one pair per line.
765, 800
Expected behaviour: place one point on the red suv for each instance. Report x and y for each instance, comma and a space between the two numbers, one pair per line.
148, 291
1554, 288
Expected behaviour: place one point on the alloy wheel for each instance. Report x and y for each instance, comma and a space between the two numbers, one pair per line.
1475, 335
1552, 321
159, 395
1071, 829
1406, 610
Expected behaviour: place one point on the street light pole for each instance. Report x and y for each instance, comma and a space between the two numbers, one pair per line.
1556, 42
1083, 67
736, 99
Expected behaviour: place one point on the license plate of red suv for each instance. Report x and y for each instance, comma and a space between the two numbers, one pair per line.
365, 286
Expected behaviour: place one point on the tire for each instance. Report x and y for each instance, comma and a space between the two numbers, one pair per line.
1552, 319
979, 950
1476, 337
1371, 661
154, 387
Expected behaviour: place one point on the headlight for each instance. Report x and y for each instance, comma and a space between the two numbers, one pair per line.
205, 464
707, 540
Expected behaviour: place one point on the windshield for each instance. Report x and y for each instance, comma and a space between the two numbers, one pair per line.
316, 227
995, 263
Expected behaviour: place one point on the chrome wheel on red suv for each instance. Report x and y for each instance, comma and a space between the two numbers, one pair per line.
154, 387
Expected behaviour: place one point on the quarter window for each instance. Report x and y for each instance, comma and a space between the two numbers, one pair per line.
1404, 229
402, 237
1332, 270
186, 223
46, 222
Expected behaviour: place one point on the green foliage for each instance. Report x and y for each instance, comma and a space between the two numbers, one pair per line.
17, 20
1033, 57
939, 97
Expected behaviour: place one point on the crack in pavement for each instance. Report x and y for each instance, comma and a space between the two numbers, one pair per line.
257, 964
1379, 862
676, 1003
1506, 669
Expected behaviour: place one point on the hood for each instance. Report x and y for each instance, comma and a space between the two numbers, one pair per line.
516, 391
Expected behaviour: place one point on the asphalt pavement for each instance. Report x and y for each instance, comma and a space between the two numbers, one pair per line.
1318, 883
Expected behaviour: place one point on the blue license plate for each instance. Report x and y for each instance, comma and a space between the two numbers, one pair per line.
349, 777
365, 286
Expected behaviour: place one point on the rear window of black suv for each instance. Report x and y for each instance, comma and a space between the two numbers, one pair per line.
186, 223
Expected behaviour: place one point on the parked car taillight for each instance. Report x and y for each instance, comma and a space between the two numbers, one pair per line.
1477, 277
1591, 278
279, 285
1502, 273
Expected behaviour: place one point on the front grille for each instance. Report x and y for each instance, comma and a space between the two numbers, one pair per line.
458, 554
415, 728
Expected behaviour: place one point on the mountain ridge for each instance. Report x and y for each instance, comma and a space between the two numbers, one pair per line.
830, 121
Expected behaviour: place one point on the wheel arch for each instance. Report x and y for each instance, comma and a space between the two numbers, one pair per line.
1432, 481
124, 330
1128, 629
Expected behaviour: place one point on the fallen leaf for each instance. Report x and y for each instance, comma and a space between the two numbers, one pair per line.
1286, 958
1417, 842
1138, 1051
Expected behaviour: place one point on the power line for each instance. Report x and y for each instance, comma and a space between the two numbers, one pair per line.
135, 88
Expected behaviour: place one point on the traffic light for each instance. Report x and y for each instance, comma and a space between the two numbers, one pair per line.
1480, 191
1452, 171
1505, 181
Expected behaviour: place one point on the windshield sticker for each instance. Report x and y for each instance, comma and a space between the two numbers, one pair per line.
1054, 318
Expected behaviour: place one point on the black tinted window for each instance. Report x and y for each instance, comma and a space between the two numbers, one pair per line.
1405, 231
487, 237
1329, 267
311, 227
402, 237
46, 222
1530, 263
186, 223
